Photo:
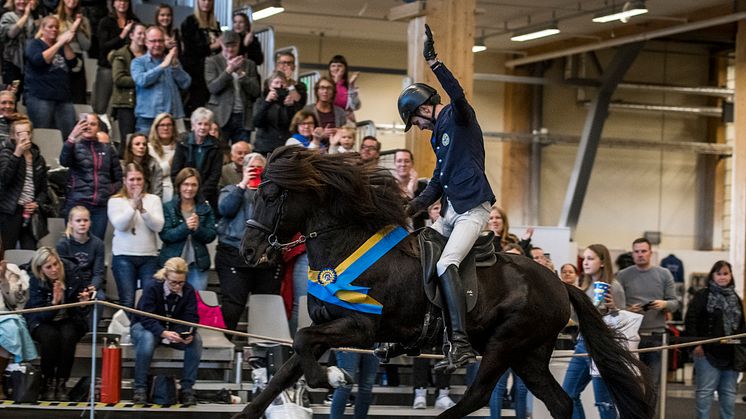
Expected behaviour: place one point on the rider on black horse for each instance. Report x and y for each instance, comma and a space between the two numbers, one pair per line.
460, 183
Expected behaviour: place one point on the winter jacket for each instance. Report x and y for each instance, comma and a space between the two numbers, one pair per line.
153, 300
175, 232
236, 205
95, 173
13, 175
41, 293
701, 324
123, 95
272, 124
210, 169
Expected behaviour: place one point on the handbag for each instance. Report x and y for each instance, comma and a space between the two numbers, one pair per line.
287, 407
38, 226
26, 384
739, 357
163, 390
209, 315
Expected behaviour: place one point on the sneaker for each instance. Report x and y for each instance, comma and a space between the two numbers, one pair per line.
443, 401
420, 398
330, 396
139, 396
187, 398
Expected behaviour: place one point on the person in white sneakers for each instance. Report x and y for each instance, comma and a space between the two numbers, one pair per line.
420, 371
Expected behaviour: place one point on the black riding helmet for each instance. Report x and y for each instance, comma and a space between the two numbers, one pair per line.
413, 97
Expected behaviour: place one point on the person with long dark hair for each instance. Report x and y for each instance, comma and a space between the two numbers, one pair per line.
136, 151
164, 19
347, 96
715, 311
68, 12
123, 99
200, 34
250, 46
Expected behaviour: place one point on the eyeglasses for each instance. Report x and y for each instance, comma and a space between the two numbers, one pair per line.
176, 283
369, 147
326, 87
286, 63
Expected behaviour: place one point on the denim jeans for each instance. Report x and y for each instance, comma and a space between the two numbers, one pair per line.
710, 379
365, 376
127, 270
519, 404
577, 378
234, 130
51, 114
143, 124
197, 278
300, 287
652, 359
145, 344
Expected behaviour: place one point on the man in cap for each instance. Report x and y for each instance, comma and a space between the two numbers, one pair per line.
458, 181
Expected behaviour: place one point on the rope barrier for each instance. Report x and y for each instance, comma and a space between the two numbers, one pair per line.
721, 340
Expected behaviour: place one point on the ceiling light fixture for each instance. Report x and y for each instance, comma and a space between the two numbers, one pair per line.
535, 32
479, 45
623, 13
266, 9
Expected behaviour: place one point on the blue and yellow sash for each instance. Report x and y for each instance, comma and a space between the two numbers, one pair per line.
334, 285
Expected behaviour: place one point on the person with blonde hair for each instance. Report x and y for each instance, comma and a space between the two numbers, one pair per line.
170, 295
49, 60
343, 141
498, 223
137, 217
162, 146
17, 26
88, 250
200, 34
70, 14
188, 227
54, 281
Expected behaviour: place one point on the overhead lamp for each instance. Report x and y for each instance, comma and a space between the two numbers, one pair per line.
535, 32
479, 45
622, 13
266, 9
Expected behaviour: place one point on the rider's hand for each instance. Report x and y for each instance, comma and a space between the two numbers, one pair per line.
428, 51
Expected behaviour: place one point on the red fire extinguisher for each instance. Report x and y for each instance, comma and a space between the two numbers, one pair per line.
111, 372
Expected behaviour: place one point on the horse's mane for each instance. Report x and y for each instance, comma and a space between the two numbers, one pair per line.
353, 192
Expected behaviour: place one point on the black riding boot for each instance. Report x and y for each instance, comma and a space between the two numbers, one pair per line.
454, 310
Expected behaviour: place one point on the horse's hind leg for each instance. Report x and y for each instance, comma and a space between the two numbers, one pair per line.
288, 374
533, 368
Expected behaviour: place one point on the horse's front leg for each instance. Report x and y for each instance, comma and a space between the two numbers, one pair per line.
311, 342
288, 374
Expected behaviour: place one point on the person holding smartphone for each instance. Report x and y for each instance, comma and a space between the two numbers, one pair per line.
170, 295
273, 112
237, 279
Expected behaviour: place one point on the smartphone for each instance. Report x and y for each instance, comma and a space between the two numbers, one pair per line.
647, 306
15, 83
83, 116
186, 334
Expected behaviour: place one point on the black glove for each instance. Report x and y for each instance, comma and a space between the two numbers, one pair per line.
428, 50
410, 210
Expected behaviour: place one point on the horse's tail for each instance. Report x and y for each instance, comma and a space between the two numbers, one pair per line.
625, 376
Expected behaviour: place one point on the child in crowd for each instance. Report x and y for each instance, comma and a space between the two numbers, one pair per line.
343, 141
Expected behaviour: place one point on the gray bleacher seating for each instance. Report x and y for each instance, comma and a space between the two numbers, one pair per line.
50, 143
56, 227
304, 320
18, 256
267, 317
81, 108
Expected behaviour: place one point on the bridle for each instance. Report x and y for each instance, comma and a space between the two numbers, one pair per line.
272, 234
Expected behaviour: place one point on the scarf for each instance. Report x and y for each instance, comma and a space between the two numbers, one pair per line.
725, 300
305, 141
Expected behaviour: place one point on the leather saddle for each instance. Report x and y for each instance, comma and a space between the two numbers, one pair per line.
482, 254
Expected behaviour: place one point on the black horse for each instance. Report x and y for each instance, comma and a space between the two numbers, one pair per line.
337, 203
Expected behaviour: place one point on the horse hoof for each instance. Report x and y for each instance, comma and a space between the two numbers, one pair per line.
338, 377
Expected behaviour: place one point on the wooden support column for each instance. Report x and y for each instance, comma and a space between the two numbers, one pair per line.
452, 23
514, 193
738, 188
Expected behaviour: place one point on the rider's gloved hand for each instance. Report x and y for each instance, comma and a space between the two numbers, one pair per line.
429, 49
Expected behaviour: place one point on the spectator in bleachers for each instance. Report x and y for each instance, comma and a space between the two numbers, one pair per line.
68, 12
237, 279
346, 96
343, 141
363, 367
330, 116
234, 86
285, 62
158, 77
498, 223
200, 35
123, 98
137, 217
250, 47
136, 151
569, 274
405, 174
162, 146
54, 281
16, 344
189, 226
272, 114
8, 114
17, 26
370, 149
112, 32
88, 250
305, 131
94, 171
49, 60
201, 151
169, 296
24, 176
232, 172
164, 19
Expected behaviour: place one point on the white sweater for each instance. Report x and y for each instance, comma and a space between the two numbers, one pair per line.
146, 226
